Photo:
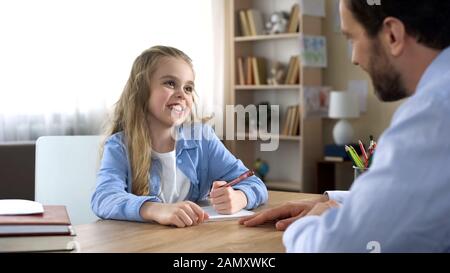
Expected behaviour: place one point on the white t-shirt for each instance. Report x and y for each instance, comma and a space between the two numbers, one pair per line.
174, 184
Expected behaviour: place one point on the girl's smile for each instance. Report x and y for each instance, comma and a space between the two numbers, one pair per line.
176, 109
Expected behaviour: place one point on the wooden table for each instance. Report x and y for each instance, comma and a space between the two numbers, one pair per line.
225, 236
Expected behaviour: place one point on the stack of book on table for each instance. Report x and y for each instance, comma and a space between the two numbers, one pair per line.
27, 226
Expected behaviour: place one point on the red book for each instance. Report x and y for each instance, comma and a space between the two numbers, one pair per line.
54, 221
53, 215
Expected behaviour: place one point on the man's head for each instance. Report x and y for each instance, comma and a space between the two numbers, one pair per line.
396, 40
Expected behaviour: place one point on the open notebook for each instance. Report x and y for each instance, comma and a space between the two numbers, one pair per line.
215, 216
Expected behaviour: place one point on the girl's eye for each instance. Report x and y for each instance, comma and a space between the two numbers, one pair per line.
170, 84
189, 89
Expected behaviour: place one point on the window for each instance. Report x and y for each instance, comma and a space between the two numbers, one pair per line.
64, 63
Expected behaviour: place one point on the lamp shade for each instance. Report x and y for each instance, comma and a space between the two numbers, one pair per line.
343, 105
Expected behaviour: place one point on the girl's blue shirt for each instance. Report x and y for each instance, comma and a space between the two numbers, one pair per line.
200, 155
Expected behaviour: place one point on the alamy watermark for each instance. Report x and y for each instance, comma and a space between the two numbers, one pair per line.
252, 122
374, 247
74, 246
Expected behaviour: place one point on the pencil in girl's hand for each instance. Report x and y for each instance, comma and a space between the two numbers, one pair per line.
243, 176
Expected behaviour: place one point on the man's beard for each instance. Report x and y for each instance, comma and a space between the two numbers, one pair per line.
386, 79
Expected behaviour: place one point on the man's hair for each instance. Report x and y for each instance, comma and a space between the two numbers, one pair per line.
426, 20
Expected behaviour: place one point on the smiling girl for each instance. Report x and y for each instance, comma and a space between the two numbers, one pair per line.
156, 161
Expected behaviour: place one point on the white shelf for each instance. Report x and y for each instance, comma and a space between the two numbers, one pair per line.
267, 37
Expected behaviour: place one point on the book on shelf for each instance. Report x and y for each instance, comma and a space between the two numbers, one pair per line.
289, 70
260, 71
244, 24
291, 125
294, 22
285, 130
296, 122
255, 69
295, 77
240, 71
255, 22
249, 71
48, 231
293, 72
292, 120
296, 131
251, 22
252, 70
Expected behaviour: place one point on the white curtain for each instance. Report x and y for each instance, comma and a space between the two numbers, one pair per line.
63, 64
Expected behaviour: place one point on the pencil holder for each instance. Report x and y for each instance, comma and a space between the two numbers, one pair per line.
359, 171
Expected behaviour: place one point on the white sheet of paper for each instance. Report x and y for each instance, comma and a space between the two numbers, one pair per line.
20, 207
214, 216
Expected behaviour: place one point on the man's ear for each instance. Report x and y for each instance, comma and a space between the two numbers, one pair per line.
394, 35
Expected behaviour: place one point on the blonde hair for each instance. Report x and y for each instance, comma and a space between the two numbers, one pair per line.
131, 112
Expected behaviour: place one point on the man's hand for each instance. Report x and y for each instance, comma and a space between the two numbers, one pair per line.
284, 215
226, 200
320, 208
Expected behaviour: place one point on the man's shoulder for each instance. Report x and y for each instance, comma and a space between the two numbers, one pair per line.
433, 100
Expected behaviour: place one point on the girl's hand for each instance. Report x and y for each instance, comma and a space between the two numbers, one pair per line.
182, 214
226, 200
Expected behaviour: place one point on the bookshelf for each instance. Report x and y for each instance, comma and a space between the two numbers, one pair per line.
293, 165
